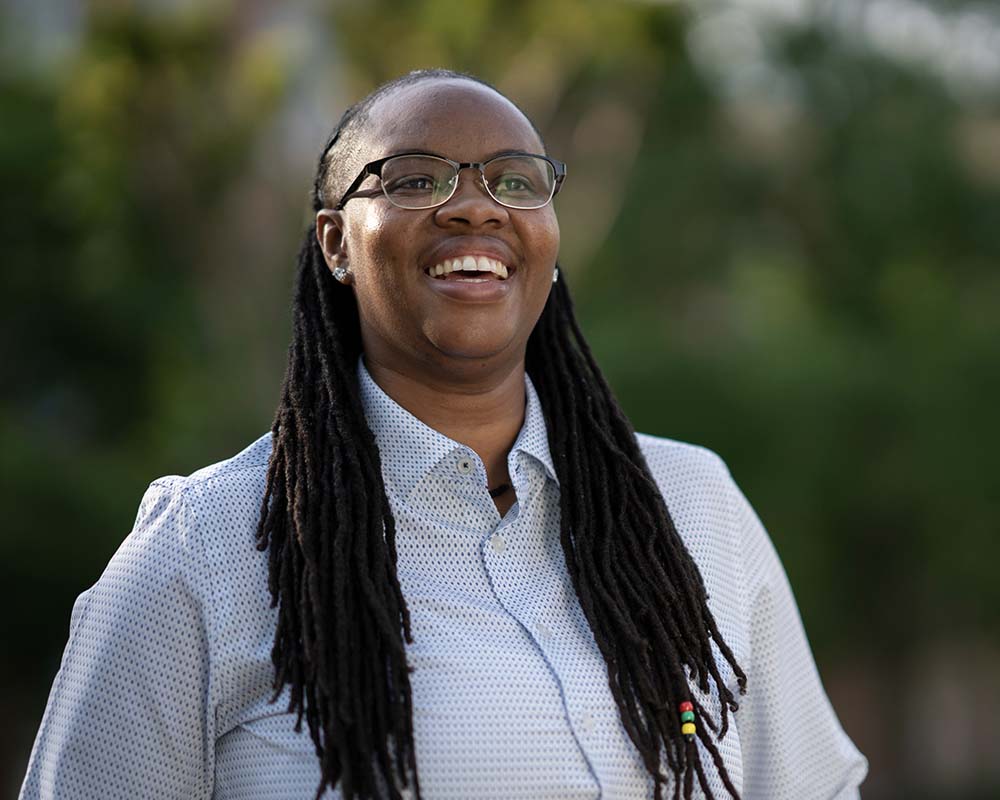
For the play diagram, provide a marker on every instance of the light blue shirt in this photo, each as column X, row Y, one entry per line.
column 164, row 685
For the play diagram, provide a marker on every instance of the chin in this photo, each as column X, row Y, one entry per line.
column 472, row 348
column 471, row 353
column 475, row 341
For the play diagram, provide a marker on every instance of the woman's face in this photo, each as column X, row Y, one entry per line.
column 410, row 319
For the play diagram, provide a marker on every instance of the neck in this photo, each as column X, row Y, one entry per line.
column 485, row 412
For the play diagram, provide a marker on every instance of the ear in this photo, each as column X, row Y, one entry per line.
column 330, row 235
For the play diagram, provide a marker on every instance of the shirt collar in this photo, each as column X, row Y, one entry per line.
column 410, row 449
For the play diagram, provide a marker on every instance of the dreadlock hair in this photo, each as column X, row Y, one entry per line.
column 327, row 525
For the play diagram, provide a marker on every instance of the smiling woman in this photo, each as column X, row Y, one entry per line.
column 453, row 558
column 416, row 327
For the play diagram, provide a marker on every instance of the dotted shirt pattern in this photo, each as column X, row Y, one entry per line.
column 164, row 684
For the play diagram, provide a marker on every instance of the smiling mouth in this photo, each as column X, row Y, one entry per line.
column 469, row 269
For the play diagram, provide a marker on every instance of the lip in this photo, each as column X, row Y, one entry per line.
column 469, row 246
column 489, row 291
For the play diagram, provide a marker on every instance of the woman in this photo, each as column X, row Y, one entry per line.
column 471, row 577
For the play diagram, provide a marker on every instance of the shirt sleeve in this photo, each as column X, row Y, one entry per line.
column 128, row 714
column 793, row 745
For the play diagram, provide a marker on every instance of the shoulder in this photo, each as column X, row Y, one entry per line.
column 700, row 496
column 221, row 502
column 682, row 464
column 180, row 517
column 216, row 481
column 161, row 563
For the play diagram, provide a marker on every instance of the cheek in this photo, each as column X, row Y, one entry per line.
column 555, row 233
column 543, row 235
column 546, row 250
column 377, row 249
column 370, row 242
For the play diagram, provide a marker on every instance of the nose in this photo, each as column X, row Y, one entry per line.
column 471, row 204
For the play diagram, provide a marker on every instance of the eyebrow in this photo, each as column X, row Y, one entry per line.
column 420, row 151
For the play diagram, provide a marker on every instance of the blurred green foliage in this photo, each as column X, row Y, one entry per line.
column 113, row 168
column 809, row 288
column 827, row 318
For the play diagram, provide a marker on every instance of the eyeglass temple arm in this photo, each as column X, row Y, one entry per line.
column 370, row 169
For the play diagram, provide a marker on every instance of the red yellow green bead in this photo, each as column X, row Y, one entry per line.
column 687, row 719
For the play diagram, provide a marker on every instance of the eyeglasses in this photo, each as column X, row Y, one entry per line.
column 420, row 180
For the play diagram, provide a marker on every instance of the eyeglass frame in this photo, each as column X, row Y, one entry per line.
column 375, row 168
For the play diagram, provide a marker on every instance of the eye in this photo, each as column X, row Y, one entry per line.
column 512, row 183
column 412, row 183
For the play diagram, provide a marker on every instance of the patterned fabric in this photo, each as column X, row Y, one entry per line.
column 164, row 685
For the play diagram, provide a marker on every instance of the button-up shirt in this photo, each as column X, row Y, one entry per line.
column 165, row 682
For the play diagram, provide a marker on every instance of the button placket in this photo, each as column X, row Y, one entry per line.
column 505, row 565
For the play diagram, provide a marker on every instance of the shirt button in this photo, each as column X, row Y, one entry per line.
column 587, row 723
column 544, row 632
column 465, row 465
column 498, row 543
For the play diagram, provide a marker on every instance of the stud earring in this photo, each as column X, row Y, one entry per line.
column 555, row 275
column 341, row 273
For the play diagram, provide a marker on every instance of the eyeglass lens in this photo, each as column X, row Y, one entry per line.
column 420, row 181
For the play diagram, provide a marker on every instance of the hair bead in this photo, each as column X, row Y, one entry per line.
column 687, row 719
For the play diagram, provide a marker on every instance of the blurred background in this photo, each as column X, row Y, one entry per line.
column 781, row 224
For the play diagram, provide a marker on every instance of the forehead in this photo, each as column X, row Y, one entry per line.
column 459, row 119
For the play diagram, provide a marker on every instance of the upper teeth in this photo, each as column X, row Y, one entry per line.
column 470, row 264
